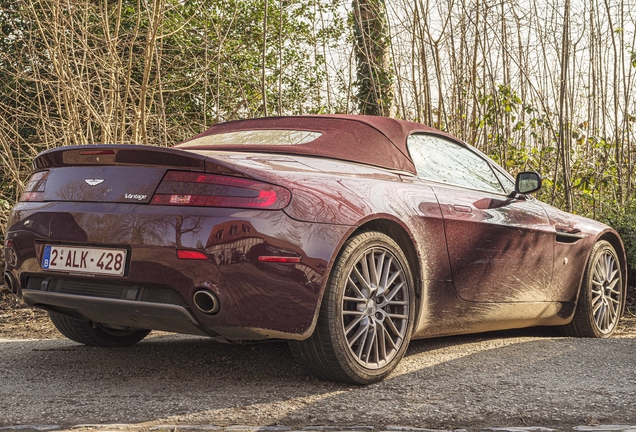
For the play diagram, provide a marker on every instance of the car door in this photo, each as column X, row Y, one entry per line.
column 501, row 249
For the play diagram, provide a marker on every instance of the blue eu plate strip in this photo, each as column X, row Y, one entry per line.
column 46, row 260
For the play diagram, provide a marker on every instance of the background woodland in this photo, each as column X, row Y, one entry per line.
column 536, row 84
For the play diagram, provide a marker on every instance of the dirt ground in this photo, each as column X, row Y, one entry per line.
column 471, row 382
column 18, row 321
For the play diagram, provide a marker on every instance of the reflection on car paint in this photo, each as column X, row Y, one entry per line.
column 482, row 260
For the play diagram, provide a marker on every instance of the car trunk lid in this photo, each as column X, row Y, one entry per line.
column 114, row 173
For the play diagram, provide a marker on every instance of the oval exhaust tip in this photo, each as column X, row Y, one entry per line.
column 10, row 282
column 207, row 302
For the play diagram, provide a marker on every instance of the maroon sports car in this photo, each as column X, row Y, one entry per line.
column 348, row 236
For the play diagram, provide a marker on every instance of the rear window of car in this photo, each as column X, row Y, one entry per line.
column 256, row 137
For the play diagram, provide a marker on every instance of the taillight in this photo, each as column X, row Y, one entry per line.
column 186, row 254
column 34, row 190
column 279, row 259
column 211, row 190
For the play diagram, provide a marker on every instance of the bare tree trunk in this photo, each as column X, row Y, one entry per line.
column 424, row 74
column 474, row 78
column 414, row 56
column 564, row 127
column 371, row 44
column 264, row 58
column 617, row 141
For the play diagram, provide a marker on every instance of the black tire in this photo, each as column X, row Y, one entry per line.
column 601, row 297
column 93, row 334
column 362, row 333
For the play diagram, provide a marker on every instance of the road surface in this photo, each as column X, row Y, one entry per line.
column 515, row 378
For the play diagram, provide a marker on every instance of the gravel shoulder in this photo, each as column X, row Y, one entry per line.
column 521, row 378
column 528, row 377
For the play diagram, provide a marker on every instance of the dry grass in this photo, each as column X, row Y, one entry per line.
column 18, row 321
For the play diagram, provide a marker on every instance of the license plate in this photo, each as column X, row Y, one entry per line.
column 84, row 260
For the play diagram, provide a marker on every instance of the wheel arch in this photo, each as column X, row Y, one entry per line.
column 613, row 238
column 583, row 322
column 316, row 352
column 398, row 231
column 402, row 236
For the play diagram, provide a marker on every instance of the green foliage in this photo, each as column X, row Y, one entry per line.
column 500, row 121
column 153, row 72
column 504, row 100
column 623, row 220
column 595, row 174
column 159, row 72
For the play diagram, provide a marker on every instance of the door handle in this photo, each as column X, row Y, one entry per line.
column 462, row 208
column 565, row 234
column 567, row 230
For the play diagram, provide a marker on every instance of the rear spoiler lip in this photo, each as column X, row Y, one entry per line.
column 134, row 155
column 166, row 157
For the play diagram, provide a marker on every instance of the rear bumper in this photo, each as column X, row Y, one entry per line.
column 258, row 300
column 126, row 313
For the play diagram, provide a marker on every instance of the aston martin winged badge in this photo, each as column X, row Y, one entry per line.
column 94, row 182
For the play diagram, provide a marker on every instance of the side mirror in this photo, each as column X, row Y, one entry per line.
column 527, row 182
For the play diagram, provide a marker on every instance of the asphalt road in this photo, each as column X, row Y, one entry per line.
column 517, row 378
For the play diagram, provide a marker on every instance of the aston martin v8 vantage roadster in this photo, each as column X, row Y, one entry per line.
column 346, row 235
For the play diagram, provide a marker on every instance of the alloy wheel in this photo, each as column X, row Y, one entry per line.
column 375, row 308
column 606, row 292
